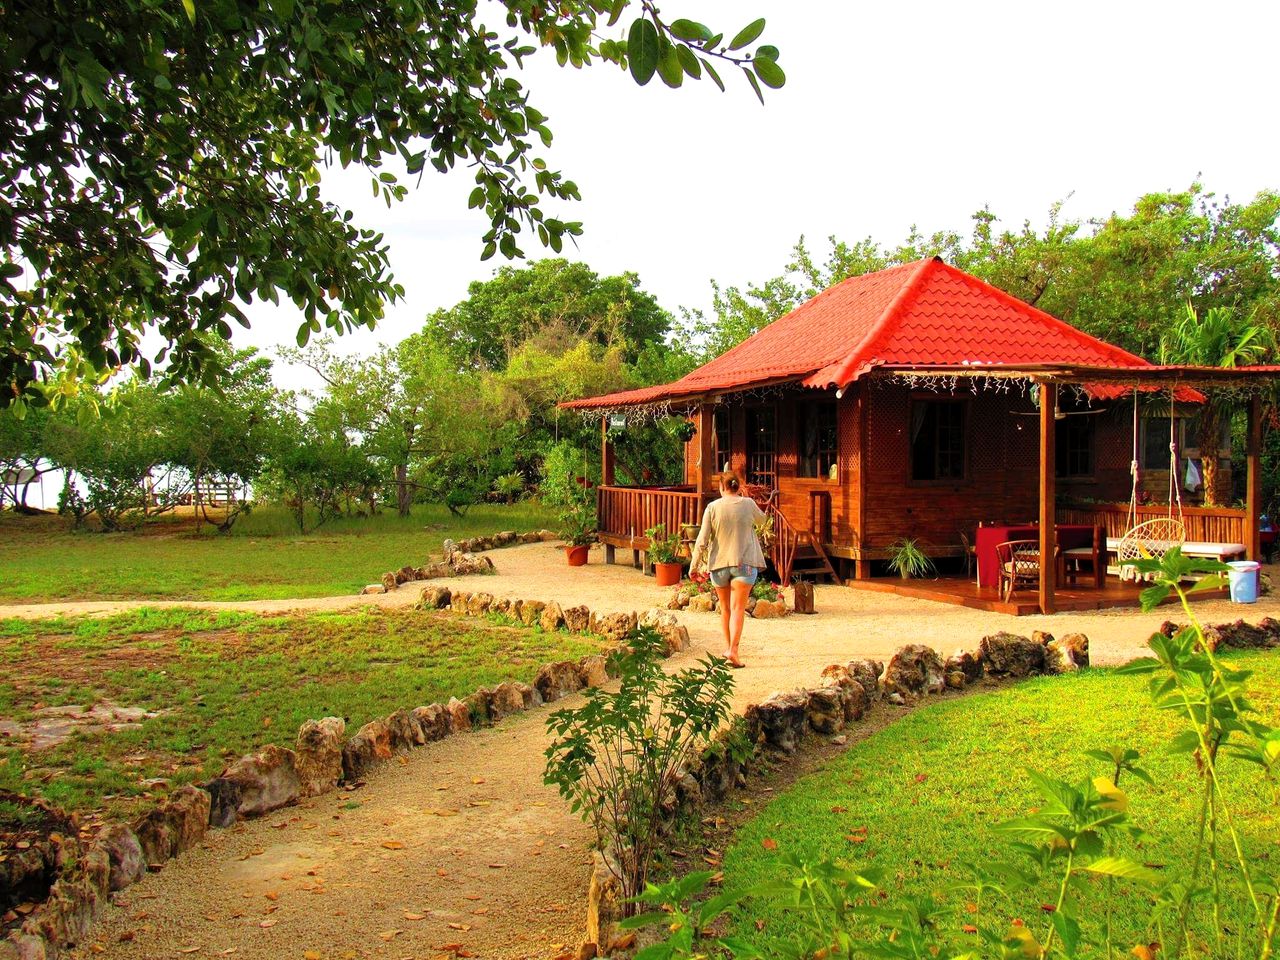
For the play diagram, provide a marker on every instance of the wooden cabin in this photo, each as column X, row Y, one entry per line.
column 918, row 402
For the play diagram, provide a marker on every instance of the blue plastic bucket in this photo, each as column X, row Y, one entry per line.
column 1244, row 581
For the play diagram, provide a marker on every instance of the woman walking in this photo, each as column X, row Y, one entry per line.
column 733, row 556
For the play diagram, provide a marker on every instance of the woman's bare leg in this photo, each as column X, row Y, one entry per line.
column 741, row 591
column 723, row 603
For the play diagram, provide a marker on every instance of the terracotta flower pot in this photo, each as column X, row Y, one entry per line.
column 667, row 574
column 578, row 554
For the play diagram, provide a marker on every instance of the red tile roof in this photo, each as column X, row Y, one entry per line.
column 919, row 314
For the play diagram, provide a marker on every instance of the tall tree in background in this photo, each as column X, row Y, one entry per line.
column 1216, row 338
column 160, row 161
column 553, row 304
column 405, row 402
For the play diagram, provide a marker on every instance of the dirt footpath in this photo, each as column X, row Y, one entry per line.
column 459, row 849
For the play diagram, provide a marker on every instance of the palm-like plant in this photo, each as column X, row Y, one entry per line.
column 1219, row 338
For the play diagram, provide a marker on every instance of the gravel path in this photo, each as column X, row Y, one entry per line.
column 459, row 849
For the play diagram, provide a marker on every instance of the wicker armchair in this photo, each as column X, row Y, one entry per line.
column 1019, row 563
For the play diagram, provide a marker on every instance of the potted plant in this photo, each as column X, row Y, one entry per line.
column 663, row 548
column 579, row 520
column 908, row 560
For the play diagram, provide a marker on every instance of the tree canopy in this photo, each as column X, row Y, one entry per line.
column 160, row 162
column 553, row 303
column 1125, row 278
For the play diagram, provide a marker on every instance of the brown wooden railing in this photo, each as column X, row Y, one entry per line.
column 1210, row 524
column 625, row 513
column 786, row 541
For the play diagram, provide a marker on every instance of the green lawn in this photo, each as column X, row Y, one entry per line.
column 263, row 558
column 929, row 788
column 227, row 683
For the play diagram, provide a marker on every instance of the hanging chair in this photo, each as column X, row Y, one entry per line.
column 1151, row 538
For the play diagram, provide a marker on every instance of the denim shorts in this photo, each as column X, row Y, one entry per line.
column 725, row 575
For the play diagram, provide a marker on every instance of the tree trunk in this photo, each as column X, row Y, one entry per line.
column 1210, row 432
column 403, row 494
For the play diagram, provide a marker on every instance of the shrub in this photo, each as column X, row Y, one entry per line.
column 617, row 758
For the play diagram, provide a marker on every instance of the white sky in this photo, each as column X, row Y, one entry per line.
column 893, row 114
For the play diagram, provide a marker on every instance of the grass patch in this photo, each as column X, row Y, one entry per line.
column 929, row 788
column 223, row 685
column 263, row 558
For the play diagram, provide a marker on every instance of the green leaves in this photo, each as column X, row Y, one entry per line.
column 769, row 72
column 1124, row 869
column 747, row 34
column 643, row 50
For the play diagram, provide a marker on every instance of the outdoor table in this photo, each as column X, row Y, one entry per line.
column 1069, row 537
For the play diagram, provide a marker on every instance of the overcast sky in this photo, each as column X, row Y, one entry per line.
column 893, row 114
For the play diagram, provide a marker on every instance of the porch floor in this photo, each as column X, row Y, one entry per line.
column 965, row 592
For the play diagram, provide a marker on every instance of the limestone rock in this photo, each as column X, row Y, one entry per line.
column 477, row 705
column 552, row 618
column 436, row 598
column 187, row 810
column 824, row 709
column 504, row 538
column 967, row 664
column 613, row 626
column 318, row 755
column 867, row 673
column 406, row 574
column 1078, row 644
column 604, row 902
column 458, row 601
column 268, row 780
column 915, row 669
column 557, row 680
column 501, row 605
column 956, row 679
column 127, row 861
column 430, row 571
column 577, row 619
column 155, row 837
column 224, row 801
column 505, row 700
column 1009, row 655
column 403, row 731
column 770, row 609
column 479, row 603
column 370, row 745
column 530, row 695
column 459, row 717
column 781, row 720
column 531, row 612
column 371, row 588
column 679, row 600
column 467, row 564
column 853, row 699
column 389, row 582
column 895, row 698
column 433, row 721
column 591, row 671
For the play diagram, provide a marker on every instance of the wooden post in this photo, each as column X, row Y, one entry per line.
column 1048, row 494
column 1253, row 480
column 607, row 460
column 705, row 468
column 607, row 463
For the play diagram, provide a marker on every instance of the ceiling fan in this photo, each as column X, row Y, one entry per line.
column 1058, row 414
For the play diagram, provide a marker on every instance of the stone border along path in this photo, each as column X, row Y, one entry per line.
column 507, row 841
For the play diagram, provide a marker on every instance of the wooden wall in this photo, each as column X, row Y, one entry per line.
column 1001, row 484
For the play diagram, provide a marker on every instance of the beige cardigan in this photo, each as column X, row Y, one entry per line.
column 728, row 533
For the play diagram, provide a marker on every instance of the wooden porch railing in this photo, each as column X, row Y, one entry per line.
column 625, row 513
column 1209, row 524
